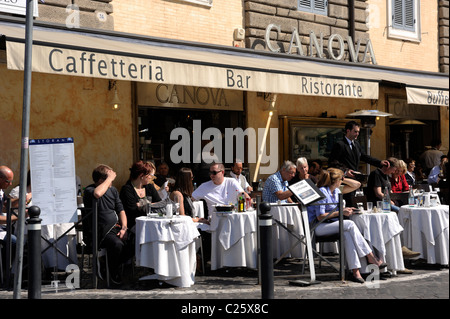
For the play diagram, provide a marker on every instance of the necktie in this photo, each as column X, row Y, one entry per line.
column 355, row 152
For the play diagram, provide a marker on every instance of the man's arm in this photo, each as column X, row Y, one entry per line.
column 101, row 189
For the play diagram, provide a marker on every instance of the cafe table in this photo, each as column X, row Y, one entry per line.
column 167, row 245
column 290, row 219
column 426, row 231
column 233, row 239
column 383, row 232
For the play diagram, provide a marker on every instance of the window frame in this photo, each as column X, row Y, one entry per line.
column 311, row 8
column 403, row 32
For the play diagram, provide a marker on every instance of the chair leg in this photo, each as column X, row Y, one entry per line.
column 321, row 253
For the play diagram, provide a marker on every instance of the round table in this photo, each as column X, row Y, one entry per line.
column 168, row 246
column 289, row 217
column 383, row 233
column 233, row 240
column 426, row 231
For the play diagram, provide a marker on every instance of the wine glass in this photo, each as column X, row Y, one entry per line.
column 177, row 206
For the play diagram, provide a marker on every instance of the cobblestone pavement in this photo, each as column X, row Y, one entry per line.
column 427, row 282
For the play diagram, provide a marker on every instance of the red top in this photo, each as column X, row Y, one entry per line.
column 399, row 186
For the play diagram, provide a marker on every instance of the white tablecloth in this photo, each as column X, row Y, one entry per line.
column 383, row 233
column 167, row 246
column 233, row 240
column 199, row 209
column 290, row 217
column 426, row 231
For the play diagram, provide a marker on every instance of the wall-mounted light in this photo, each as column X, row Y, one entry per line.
column 115, row 101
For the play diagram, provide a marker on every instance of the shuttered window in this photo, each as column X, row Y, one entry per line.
column 313, row 6
column 403, row 15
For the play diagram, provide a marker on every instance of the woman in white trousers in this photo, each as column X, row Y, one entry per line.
column 356, row 246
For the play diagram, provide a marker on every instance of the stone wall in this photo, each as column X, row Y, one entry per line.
column 95, row 14
column 260, row 13
column 444, row 36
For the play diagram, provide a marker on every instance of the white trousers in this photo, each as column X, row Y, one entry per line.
column 355, row 247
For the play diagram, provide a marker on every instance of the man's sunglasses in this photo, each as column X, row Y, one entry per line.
column 214, row 172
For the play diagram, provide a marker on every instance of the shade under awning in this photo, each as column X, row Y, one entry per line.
column 120, row 56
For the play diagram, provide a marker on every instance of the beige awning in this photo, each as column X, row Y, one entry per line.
column 120, row 56
column 427, row 96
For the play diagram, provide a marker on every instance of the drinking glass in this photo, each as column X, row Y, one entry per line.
column 148, row 205
column 369, row 207
column 379, row 205
column 177, row 206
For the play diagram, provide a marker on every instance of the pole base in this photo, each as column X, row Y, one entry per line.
column 303, row 283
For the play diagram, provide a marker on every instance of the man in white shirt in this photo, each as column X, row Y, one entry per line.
column 236, row 173
column 220, row 189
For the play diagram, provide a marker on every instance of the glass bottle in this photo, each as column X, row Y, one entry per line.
column 386, row 200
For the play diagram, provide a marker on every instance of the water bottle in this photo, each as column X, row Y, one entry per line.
column 386, row 200
column 260, row 186
column 411, row 200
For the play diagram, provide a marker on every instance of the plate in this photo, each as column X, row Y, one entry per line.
column 224, row 208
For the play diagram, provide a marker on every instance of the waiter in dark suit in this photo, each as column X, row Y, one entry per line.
column 348, row 153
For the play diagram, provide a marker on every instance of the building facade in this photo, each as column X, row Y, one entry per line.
column 334, row 44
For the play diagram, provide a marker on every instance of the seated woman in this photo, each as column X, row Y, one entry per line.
column 398, row 181
column 182, row 194
column 137, row 188
column 410, row 175
column 356, row 246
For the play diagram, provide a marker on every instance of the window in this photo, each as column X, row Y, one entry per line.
column 208, row 3
column 313, row 6
column 404, row 19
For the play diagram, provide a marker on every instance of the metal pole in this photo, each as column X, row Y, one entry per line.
column 94, row 242
column 34, row 253
column 8, row 258
column 24, row 152
column 258, row 239
column 341, row 237
column 265, row 228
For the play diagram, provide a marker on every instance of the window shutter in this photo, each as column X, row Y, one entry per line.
column 305, row 5
column 320, row 6
column 409, row 15
column 314, row 6
column 403, row 15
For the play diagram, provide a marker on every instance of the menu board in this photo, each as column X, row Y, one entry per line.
column 306, row 191
column 53, row 179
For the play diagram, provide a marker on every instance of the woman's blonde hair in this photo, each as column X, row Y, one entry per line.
column 402, row 167
column 329, row 177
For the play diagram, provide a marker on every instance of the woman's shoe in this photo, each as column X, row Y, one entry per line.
column 359, row 280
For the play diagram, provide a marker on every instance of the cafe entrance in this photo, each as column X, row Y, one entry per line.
column 156, row 125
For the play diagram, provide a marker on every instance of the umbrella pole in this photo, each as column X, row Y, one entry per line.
column 263, row 144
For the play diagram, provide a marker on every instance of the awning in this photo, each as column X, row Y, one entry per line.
column 427, row 96
column 120, row 56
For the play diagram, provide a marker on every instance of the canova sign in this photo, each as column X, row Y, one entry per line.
column 318, row 44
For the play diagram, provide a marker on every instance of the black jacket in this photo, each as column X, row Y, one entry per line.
column 344, row 155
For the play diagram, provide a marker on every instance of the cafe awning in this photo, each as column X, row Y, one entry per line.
column 121, row 56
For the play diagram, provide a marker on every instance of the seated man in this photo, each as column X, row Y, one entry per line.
column 112, row 220
column 236, row 173
column 220, row 189
column 275, row 187
column 436, row 173
column 378, row 180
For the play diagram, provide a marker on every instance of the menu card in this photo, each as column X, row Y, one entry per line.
column 306, row 191
column 53, row 179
